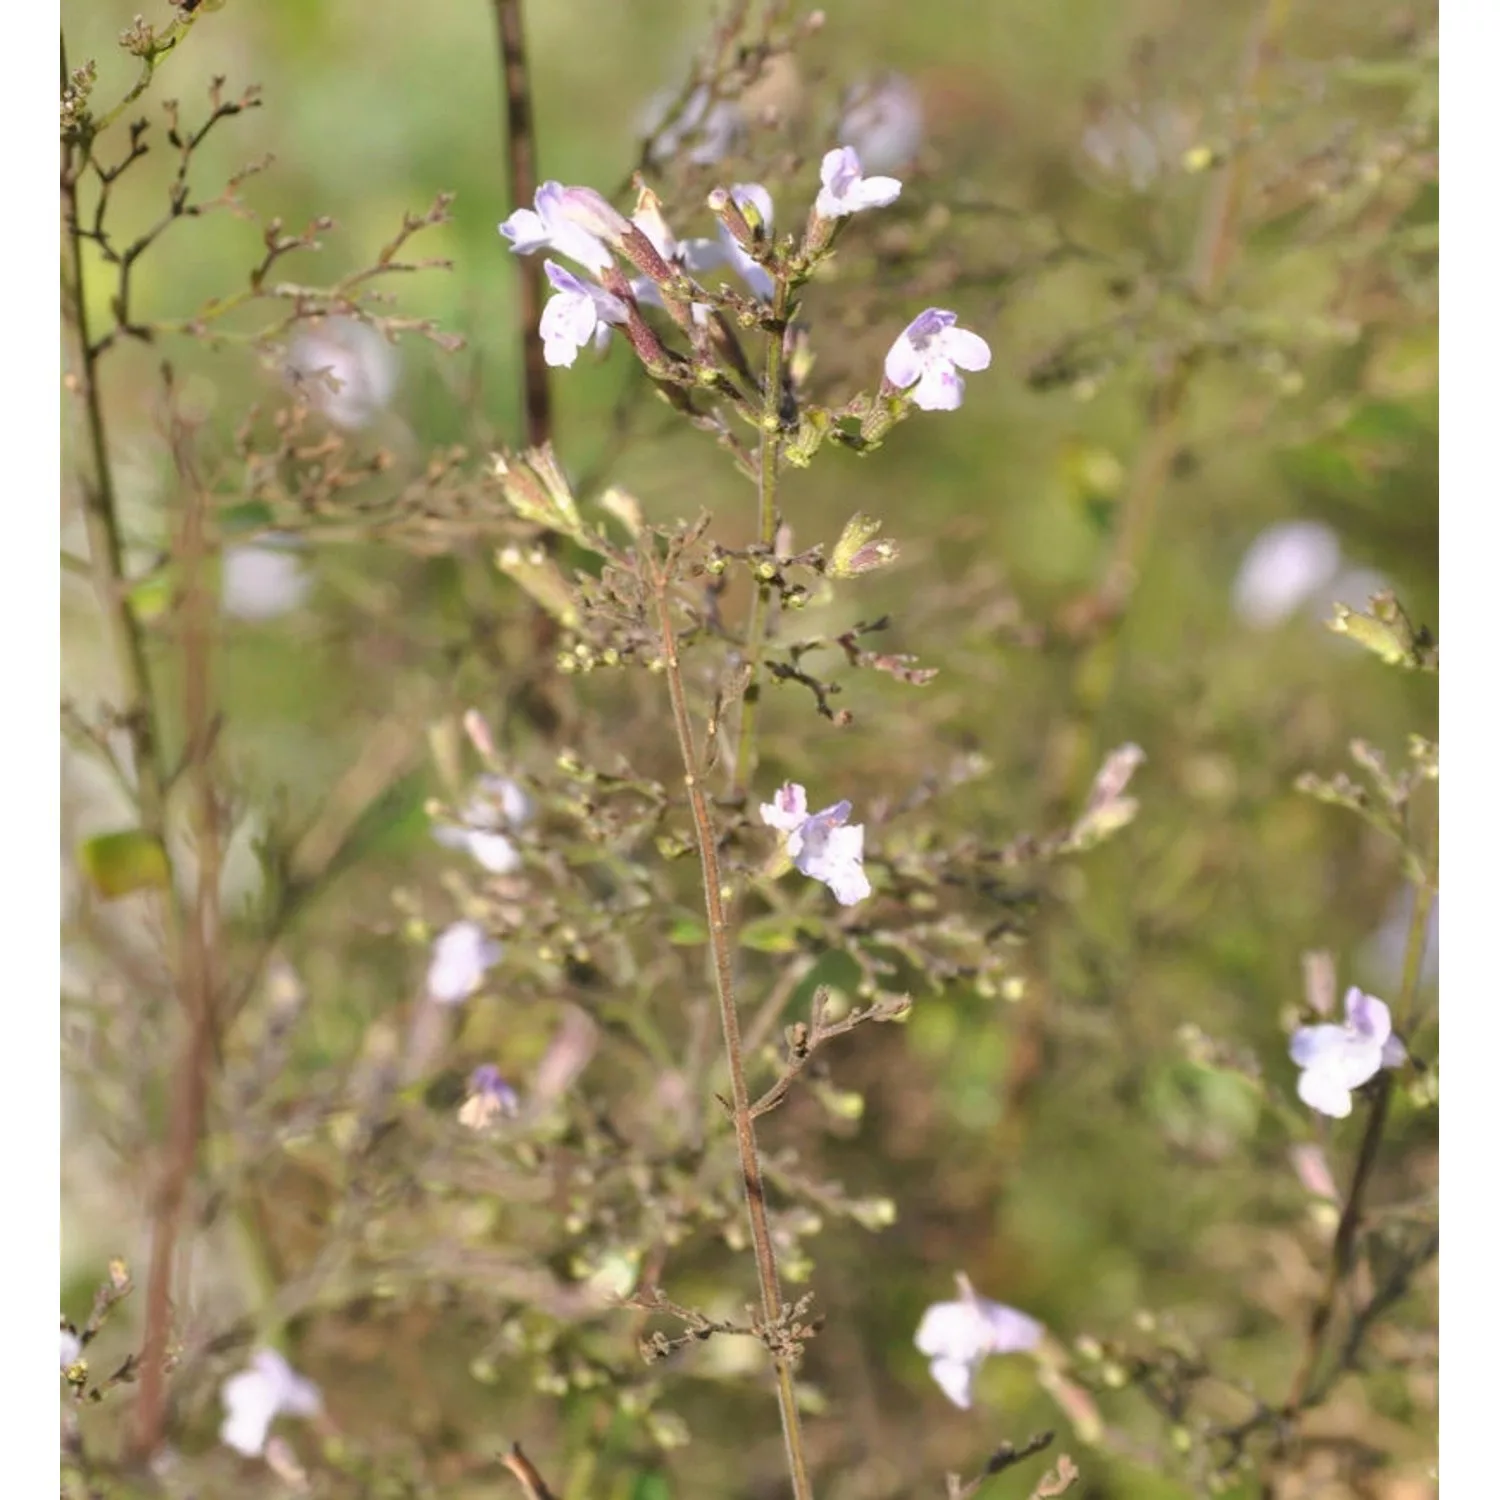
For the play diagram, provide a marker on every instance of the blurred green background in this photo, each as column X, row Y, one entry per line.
column 1125, row 1176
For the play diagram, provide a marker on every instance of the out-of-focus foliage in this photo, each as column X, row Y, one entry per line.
column 1201, row 242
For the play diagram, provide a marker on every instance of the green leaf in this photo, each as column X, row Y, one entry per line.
column 773, row 934
column 119, row 864
column 687, row 932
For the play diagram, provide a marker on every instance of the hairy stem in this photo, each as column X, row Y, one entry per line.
column 772, row 1306
column 520, row 177
column 769, row 472
column 1345, row 1238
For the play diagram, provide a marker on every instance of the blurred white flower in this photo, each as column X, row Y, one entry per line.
column 360, row 362
column 497, row 803
column 72, row 1347
column 959, row 1336
column 1285, row 567
column 710, row 130
column 263, row 579
column 1135, row 144
column 882, row 120
column 460, row 956
column 254, row 1398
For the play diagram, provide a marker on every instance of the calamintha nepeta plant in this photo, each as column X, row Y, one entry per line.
column 630, row 845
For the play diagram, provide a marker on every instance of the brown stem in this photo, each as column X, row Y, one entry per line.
column 520, row 165
column 198, row 946
column 772, row 1307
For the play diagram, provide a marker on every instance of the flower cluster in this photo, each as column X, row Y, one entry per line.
column 578, row 224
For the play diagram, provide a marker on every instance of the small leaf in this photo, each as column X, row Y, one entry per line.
column 687, row 932
column 119, row 864
column 773, row 934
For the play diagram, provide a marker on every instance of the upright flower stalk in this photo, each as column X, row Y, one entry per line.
column 772, row 1306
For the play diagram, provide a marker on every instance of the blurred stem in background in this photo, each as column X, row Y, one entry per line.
column 520, row 180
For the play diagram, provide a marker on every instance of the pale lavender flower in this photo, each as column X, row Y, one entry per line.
column 574, row 221
column 846, row 190
column 755, row 203
column 490, row 1096
column 72, row 1347
column 1285, row 567
column 959, row 1336
column 498, row 803
column 1335, row 1060
column 883, row 122
column 693, row 255
column 460, row 956
column 263, row 579
column 347, row 368
column 823, row 845
column 254, row 1398
column 577, row 313
column 929, row 354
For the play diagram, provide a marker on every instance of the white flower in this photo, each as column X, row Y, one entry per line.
column 574, row 221
column 883, row 122
column 254, row 1398
column 578, row 312
column 262, row 580
column 498, row 803
column 846, row 190
column 1283, row 569
column 1336, row 1059
column 347, row 368
column 959, row 1336
column 823, row 846
column 72, row 1347
column 460, row 956
column 929, row 353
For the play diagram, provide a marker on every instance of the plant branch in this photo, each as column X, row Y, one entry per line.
column 772, row 1305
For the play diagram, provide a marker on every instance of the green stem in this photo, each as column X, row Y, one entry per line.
column 769, row 473
column 772, row 1306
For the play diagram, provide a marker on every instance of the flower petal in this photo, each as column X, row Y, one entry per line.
column 1011, row 1332
column 956, row 1379
column 903, row 363
column 965, row 349
column 939, row 389
column 1369, row 1016
column 1323, row 1092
